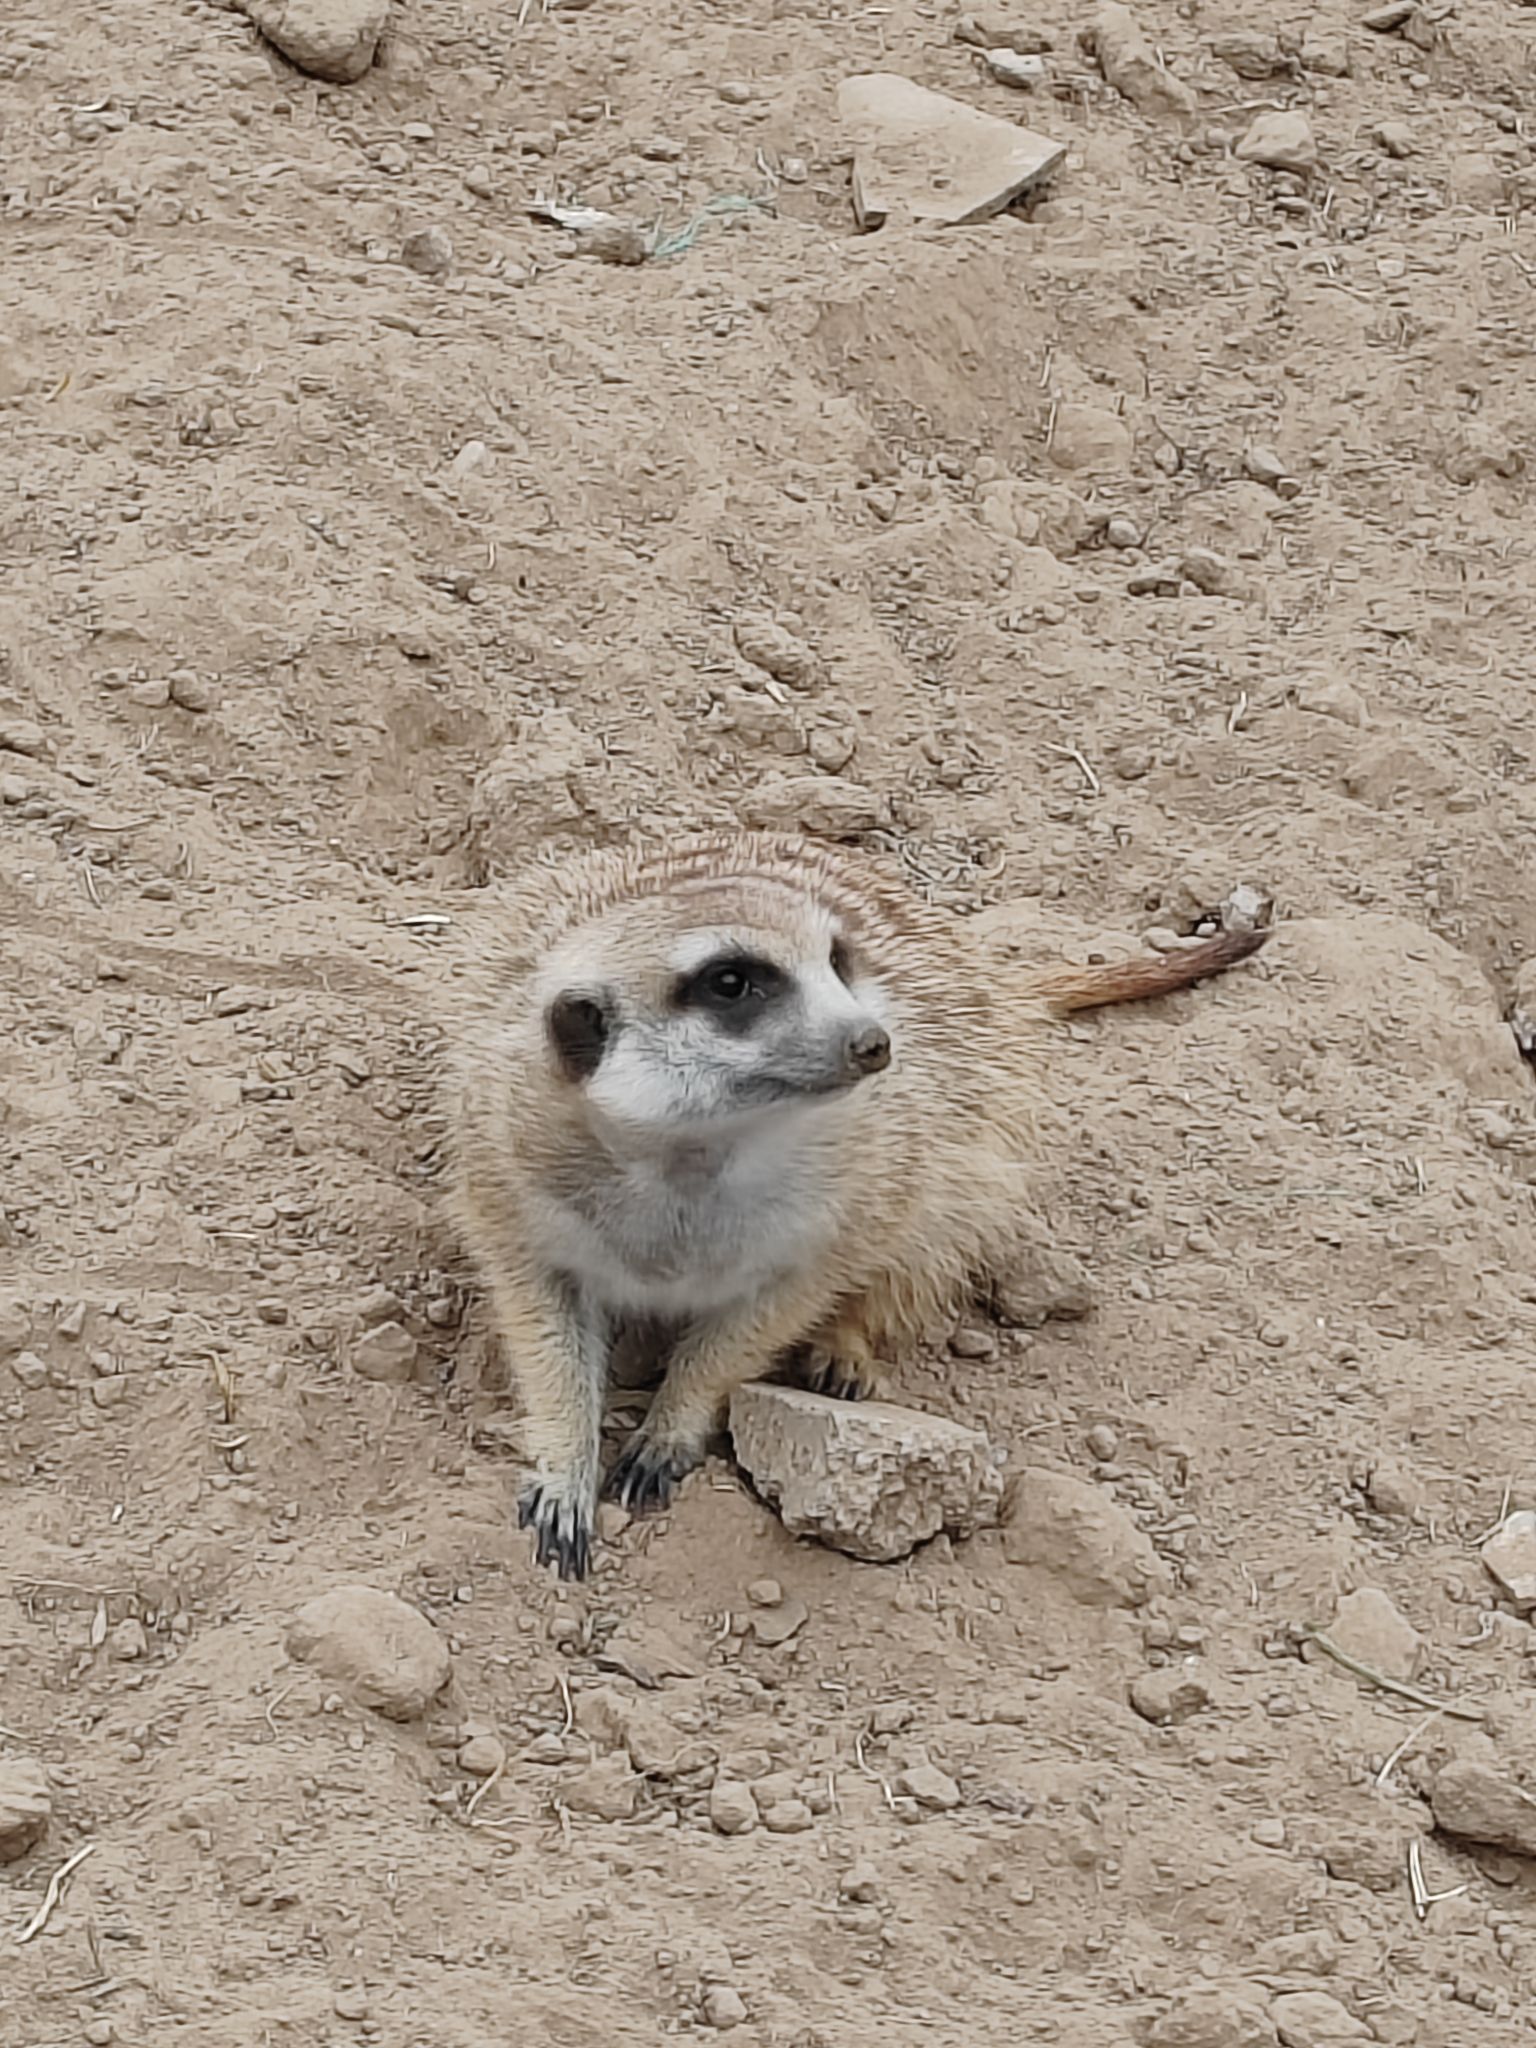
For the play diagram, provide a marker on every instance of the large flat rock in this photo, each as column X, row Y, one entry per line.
column 922, row 154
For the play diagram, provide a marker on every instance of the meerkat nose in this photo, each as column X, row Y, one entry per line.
column 869, row 1050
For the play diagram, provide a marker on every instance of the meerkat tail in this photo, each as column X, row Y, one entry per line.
column 1070, row 989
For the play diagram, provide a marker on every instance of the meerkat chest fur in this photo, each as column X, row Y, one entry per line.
column 686, row 1226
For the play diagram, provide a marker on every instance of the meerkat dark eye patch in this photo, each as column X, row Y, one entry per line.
column 579, row 1028
column 734, row 989
column 843, row 962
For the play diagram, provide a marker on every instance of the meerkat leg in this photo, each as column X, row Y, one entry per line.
column 557, row 1344
column 840, row 1358
column 709, row 1363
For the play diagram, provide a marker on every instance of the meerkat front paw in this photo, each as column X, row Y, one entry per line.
column 647, row 1473
column 562, row 1527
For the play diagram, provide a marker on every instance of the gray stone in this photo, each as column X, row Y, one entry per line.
column 1129, row 63
column 1170, row 1696
column 607, row 1790
column 867, row 1477
column 387, row 1353
column 732, row 1809
column 428, row 251
column 333, row 39
column 382, row 1653
column 1214, row 2016
column 1313, row 2019
column 932, row 158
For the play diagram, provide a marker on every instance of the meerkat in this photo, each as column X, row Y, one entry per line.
column 751, row 1090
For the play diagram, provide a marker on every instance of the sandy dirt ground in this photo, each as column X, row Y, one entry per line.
column 1172, row 535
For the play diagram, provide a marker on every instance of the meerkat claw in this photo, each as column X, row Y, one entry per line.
column 562, row 1531
column 824, row 1373
column 645, row 1477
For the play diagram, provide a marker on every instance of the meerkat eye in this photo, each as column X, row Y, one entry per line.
column 842, row 961
column 733, row 986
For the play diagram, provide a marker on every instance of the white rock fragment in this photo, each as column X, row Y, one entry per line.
column 722, row 2008
column 1080, row 1535
column 1510, row 1555
column 1008, row 67
column 867, row 1478
column 333, row 39
column 26, row 1807
column 1281, row 142
column 932, row 1788
column 934, row 158
column 1476, row 1803
column 1245, row 909
column 382, row 1653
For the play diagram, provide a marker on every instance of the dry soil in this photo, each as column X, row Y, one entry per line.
column 1173, row 535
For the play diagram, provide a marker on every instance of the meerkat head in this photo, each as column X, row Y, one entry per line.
column 713, row 1006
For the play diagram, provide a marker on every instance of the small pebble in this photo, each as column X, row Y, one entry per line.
column 428, row 251
column 350, row 2004
column 732, row 1809
column 930, row 1787
column 972, row 1343
column 482, row 1756
column 722, row 2008
column 788, row 1817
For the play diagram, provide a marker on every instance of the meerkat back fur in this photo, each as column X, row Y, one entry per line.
column 751, row 1089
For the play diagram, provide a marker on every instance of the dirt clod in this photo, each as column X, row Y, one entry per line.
column 382, row 1653
column 1315, row 2019
column 1078, row 1535
column 1368, row 1626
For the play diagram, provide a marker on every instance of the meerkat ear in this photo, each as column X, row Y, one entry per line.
column 578, row 1027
